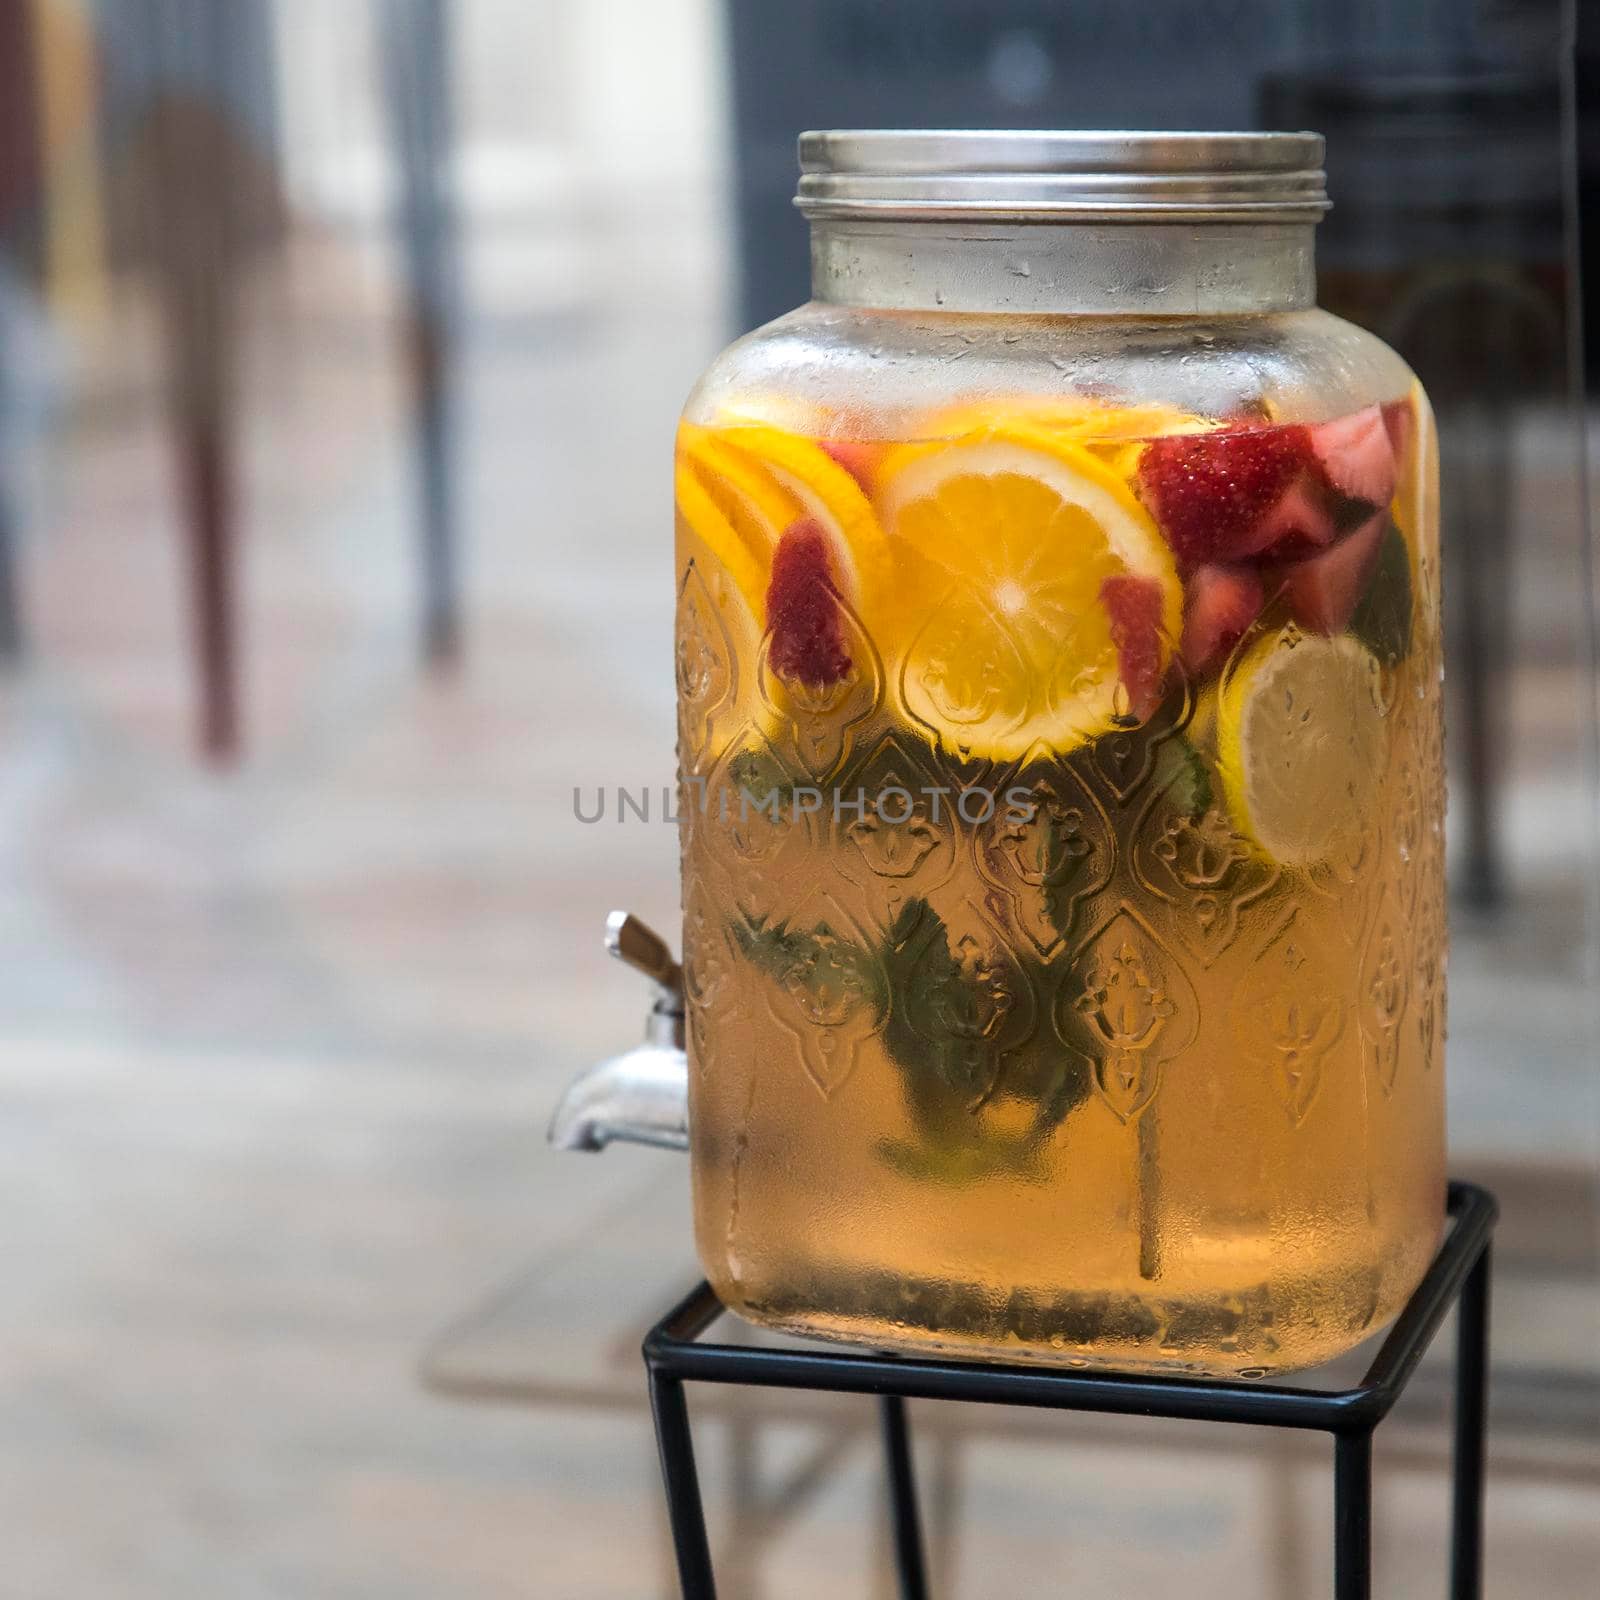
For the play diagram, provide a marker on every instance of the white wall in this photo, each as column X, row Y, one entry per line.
column 585, row 132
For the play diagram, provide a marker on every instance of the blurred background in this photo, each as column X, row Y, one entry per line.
column 340, row 350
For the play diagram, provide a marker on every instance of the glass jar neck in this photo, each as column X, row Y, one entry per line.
column 1082, row 268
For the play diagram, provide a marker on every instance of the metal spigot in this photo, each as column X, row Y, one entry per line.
column 642, row 1095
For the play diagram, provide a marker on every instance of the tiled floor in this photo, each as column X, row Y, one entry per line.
column 277, row 1045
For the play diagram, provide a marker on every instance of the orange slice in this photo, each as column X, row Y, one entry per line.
column 734, row 506
column 1416, row 507
column 821, row 489
column 1079, row 417
column 1004, row 544
column 699, row 508
column 1114, row 433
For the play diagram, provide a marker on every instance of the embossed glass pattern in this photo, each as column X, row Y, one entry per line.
column 1059, row 721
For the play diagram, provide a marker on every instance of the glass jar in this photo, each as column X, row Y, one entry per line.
column 1058, row 667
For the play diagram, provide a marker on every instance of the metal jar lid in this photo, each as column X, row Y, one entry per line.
column 1046, row 175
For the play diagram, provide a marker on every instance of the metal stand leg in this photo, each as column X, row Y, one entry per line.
column 741, row 1551
column 1472, row 1388
column 1352, row 1516
column 945, row 1511
column 903, row 1500
column 684, row 1510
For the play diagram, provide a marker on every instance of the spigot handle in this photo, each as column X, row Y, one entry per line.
column 630, row 940
column 642, row 1096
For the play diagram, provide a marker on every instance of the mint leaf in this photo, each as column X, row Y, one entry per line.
column 933, row 1036
column 760, row 774
column 946, row 1069
column 1182, row 775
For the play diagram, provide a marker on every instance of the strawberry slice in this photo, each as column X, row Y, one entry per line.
column 1227, row 495
column 1324, row 590
column 859, row 460
column 1356, row 456
column 1219, row 604
column 1397, row 424
column 1134, row 606
column 804, row 616
column 1299, row 522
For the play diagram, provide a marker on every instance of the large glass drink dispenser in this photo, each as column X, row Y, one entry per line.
column 1058, row 667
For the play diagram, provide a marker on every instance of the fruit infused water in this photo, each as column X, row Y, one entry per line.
column 1062, row 863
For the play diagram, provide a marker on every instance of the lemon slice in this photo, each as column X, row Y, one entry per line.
column 1004, row 543
column 1300, row 744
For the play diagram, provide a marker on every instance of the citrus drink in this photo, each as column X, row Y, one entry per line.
column 1064, row 933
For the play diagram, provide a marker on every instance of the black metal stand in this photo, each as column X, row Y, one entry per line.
column 674, row 1354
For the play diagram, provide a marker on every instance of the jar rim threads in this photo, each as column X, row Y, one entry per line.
column 1055, row 175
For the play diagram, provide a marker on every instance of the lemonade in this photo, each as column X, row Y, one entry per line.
column 1062, row 876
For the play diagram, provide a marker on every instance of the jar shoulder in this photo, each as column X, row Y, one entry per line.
column 847, row 370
